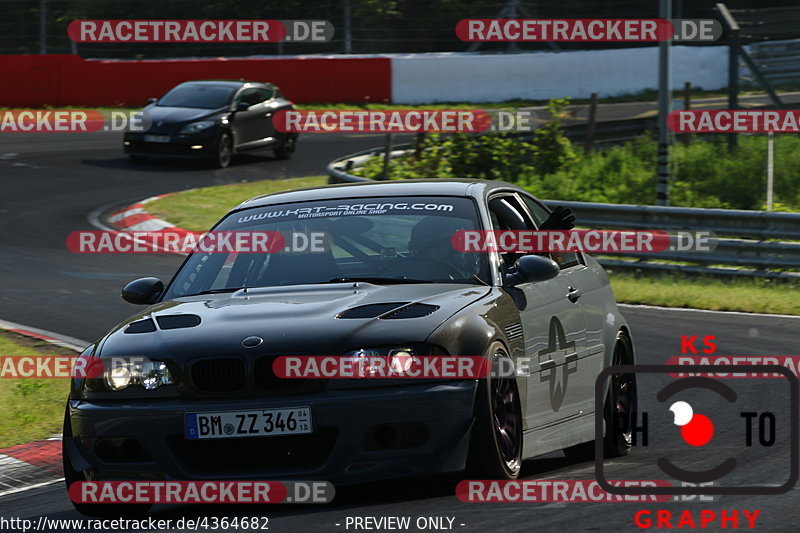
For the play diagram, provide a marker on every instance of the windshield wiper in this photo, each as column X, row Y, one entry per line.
column 377, row 280
column 218, row 291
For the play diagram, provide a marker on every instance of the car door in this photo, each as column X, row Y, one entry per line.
column 590, row 298
column 249, row 122
column 266, row 128
column 553, row 329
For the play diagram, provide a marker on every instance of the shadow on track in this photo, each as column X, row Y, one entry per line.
column 174, row 164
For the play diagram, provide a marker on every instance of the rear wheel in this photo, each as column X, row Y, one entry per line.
column 622, row 404
column 619, row 409
column 286, row 148
column 100, row 510
column 496, row 443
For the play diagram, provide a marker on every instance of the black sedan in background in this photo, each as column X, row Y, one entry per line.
column 212, row 120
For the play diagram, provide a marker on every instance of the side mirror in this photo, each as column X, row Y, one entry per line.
column 242, row 106
column 529, row 268
column 143, row 291
column 152, row 101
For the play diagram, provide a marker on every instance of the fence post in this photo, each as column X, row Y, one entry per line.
column 589, row 146
column 387, row 155
column 664, row 86
column 770, row 168
column 42, row 27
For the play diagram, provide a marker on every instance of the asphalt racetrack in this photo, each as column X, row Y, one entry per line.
column 50, row 185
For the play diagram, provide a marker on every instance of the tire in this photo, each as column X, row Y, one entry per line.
column 496, row 441
column 99, row 510
column 223, row 152
column 286, row 148
column 619, row 409
column 621, row 405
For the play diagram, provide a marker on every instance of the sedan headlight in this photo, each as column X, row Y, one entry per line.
column 120, row 374
column 194, row 127
column 397, row 359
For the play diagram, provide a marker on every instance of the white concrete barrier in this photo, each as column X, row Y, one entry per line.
column 464, row 77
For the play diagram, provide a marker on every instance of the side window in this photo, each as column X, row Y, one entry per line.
column 507, row 214
column 249, row 97
column 540, row 214
column 265, row 94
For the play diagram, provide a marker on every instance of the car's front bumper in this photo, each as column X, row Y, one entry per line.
column 342, row 448
column 202, row 144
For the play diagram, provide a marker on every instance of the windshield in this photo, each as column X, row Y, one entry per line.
column 378, row 240
column 198, row 96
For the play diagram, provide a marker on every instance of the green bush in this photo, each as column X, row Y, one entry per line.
column 704, row 173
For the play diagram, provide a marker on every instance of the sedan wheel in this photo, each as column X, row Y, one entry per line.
column 621, row 405
column 619, row 409
column 224, row 152
column 286, row 149
column 496, row 443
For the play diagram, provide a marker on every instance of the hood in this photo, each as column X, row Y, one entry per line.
column 176, row 115
column 307, row 319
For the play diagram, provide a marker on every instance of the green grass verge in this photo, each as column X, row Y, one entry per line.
column 199, row 209
column 30, row 409
column 750, row 295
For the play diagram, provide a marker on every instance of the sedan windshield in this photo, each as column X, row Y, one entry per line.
column 198, row 96
column 386, row 240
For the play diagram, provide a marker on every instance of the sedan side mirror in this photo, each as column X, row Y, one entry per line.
column 152, row 101
column 242, row 106
column 530, row 268
column 143, row 291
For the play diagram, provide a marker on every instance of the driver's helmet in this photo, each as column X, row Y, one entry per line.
column 431, row 239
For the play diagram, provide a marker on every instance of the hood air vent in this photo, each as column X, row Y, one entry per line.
column 177, row 321
column 370, row 311
column 141, row 326
column 412, row 311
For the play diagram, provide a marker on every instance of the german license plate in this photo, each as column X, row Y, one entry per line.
column 250, row 423
column 156, row 138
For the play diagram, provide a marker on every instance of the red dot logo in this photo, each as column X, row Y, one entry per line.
column 696, row 429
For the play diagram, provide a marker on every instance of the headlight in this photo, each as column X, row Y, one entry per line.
column 388, row 366
column 194, row 127
column 398, row 360
column 120, row 374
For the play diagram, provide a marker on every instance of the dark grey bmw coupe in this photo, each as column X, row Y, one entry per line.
column 389, row 282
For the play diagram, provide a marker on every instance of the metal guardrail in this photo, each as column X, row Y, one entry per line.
column 743, row 247
column 611, row 131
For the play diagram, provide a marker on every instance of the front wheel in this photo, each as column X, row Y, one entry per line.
column 224, row 150
column 496, row 443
